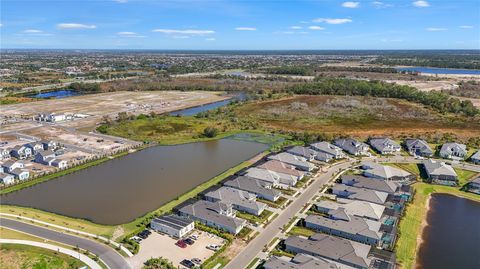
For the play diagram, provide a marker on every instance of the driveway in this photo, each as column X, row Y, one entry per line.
column 106, row 254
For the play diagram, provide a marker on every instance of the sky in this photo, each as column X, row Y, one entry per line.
column 240, row 25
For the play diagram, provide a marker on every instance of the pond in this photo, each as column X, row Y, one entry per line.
column 55, row 94
column 433, row 70
column 198, row 109
column 122, row 189
column 452, row 237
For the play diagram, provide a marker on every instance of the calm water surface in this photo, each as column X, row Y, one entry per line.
column 433, row 70
column 55, row 94
column 125, row 188
column 198, row 109
column 452, row 237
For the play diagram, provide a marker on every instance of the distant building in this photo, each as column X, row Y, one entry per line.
column 214, row 214
column 300, row 261
column 454, row 151
column 332, row 248
column 172, row 225
column 440, row 173
column 262, row 189
column 352, row 146
column 327, row 152
column 385, row 172
column 297, row 161
column 418, row 147
column 384, row 145
column 240, row 200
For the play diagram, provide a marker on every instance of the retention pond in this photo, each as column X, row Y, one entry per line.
column 125, row 188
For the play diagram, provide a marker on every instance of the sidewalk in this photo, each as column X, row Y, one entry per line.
column 85, row 259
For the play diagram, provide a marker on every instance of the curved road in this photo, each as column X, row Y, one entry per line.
column 109, row 256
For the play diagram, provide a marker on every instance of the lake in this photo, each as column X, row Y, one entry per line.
column 452, row 237
column 433, row 70
column 122, row 189
column 192, row 111
column 55, row 94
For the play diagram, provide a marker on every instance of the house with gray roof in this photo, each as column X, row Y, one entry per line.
column 4, row 154
column 341, row 208
column 45, row 157
column 385, row 172
column 440, row 173
column 35, row 147
column 284, row 168
column 240, row 200
column 454, row 151
column 355, row 228
column 214, row 214
column 326, row 151
column 418, row 147
column 21, row 152
column 172, row 225
column 361, row 194
column 20, row 174
column 474, row 185
column 304, row 152
column 49, row 144
column 352, row 146
column 300, row 261
column 11, row 165
column 475, row 158
column 261, row 189
column 276, row 179
column 369, row 183
column 332, row 248
column 384, row 145
column 297, row 161
column 6, row 178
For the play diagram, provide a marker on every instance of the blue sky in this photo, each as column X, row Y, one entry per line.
column 247, row 24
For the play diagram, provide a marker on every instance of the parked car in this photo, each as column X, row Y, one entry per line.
column 181, row 244
column 187, row 263
column 213, row 247
column 189, row 241
column 197, row 261
column 194, row 237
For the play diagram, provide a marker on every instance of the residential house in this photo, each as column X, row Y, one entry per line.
column 300, row 261
column 327, row 152
column 352, row 146
column 274, row 178
column 51, row 117
column 45, row 157
column 6, row 178
column 353, row 228
column 261, row 189
column 418, row 147
column 474, row 185
column 21, row 152
column 304, row 152
column 59, row 163
column 240, row 200
column 332, row 248
column 35, row 147
column 454, row 151
column 283, row 168
column 4, row 154
column 172, row 225
column 475, row 158
column 49, row 144
column 384, row 145
column 214, row 214
column 440, row 173
column 343, row 207
column 11, row 165
column 20, row 174
column 361, row 194
column 369, row 183
column 297, row 161
column 385, row 172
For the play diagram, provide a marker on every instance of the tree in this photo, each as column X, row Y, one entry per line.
column 210, row 132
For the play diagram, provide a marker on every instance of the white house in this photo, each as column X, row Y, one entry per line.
column 6, row 178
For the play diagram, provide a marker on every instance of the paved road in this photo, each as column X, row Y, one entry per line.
column 273, row 230
column 106, row 254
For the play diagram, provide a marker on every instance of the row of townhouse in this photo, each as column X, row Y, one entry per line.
column 27, row 150
column 240, row 193
column 13, row 170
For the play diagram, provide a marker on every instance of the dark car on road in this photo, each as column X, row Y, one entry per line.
column 187, row 263
column 189, row 241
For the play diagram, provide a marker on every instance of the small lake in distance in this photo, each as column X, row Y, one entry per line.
column 55, row 94
column 433, row 70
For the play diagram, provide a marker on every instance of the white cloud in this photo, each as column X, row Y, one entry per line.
column 1, row 24
column 315, row 27
column 332, row 21
column 379, row 4
column 210, row 39
column 129, row 34
column 435, row 29
column 295, row 27
column 246, row 29
column 421, row 4
column 184, row 32
column 351, row 4
column 75, row 26
column 32, row 31
column 466, row 27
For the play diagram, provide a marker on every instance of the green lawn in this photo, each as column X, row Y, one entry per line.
column 410, row 225
column 23, row 256
column 464, row 176
column 255, row 219
column 282, row 200
column 303, row 231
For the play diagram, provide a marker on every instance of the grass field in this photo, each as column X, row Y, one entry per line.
column 411, row 224
column 14, row 256
column 297, row 230
column 255, row 219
